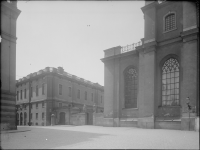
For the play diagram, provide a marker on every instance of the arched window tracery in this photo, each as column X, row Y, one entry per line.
column 170, row 82
column 130, row 87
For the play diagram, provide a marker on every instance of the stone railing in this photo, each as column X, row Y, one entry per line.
column 131, row 47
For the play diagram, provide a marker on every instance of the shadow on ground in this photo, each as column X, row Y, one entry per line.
column 41, row 138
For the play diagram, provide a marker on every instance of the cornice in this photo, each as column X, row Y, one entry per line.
column 133, row 52
column 5, row 7
column 149, row 6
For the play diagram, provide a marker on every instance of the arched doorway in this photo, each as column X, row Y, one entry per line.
column 62, row 118
column 21, row 118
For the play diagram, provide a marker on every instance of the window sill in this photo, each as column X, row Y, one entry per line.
column 175, row 106
column 129, row 108
column 169, row 30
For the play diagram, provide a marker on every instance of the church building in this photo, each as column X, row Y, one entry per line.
column 155, row 83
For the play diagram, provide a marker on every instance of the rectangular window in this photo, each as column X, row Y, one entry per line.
column 37, row 90
column 85, row 95
column 60, row 89
column 42, row 116
column 25, row 106
column 36, row 115
column 42, row 104
column 25, row 93
column 43, row 89
column 36, row 105
column 21, row 95
column 17, row 95
column 78, row 94
column 70, row 91
column 92, row 96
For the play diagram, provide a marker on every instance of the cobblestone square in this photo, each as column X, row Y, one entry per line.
column 97, row 137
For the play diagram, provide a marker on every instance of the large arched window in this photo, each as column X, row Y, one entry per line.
column 170, row 82
column 130, row 87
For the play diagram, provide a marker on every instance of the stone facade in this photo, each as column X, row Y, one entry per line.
column 57, row 97
column 9, row 15
column 164, row 40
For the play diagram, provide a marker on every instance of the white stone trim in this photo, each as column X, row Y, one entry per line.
column 189, row 28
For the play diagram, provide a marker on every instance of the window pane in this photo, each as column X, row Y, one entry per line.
column 163, row 81
column 172, row 97
column 177, row 85
column 172, row 80
column 164, row 92
column 168, row 92
column 164, row 76
column 172, row 91
column 172, row 86
column 172, row 75
column 168, row 81
column 176, row 74
column 177, row 79
column 176, row 96
column 164, row 87
column 168, row 75
column 176, row 91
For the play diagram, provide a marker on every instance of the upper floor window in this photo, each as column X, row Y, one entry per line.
column 43, row 89
column 78, row 94
column 42, row 104
column 101, row 99
column 25, row 93
column 37, row 90
column 60, row 89
column 21, row 95
column 43, row 115
column 170, row 82
column 36, row 105
column 170, row 21
column 36, row 115
column 70, row 91
column 130, row 87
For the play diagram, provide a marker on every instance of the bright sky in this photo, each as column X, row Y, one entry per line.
column 73, row 34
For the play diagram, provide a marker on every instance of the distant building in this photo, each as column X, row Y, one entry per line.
column 57, row 97
column 9, row 15
column 148, row 84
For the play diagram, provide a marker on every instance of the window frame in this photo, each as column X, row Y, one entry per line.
column 85, row 95
column 179, row 78
column 36, row 90
column 43, row 87
column 70, row 91
column 164, row 22
column 24, row 93
column 79, row 94
column 60, row 87
column 124, row 75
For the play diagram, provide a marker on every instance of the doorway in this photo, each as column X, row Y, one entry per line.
column 62, row 118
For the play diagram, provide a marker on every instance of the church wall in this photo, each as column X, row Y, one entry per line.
column 125, row 62
column 163, row 53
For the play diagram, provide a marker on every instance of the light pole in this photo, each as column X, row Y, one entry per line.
column 189, row 108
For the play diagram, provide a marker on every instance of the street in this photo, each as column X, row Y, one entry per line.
column 97, row 137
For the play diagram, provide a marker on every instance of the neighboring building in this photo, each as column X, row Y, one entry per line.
column 9, row 14
column 147, row 83
column 72, row 100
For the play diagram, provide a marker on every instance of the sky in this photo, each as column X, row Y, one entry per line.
column 74, row 34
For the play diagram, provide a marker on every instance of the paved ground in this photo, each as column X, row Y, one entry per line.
column 95, row 137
